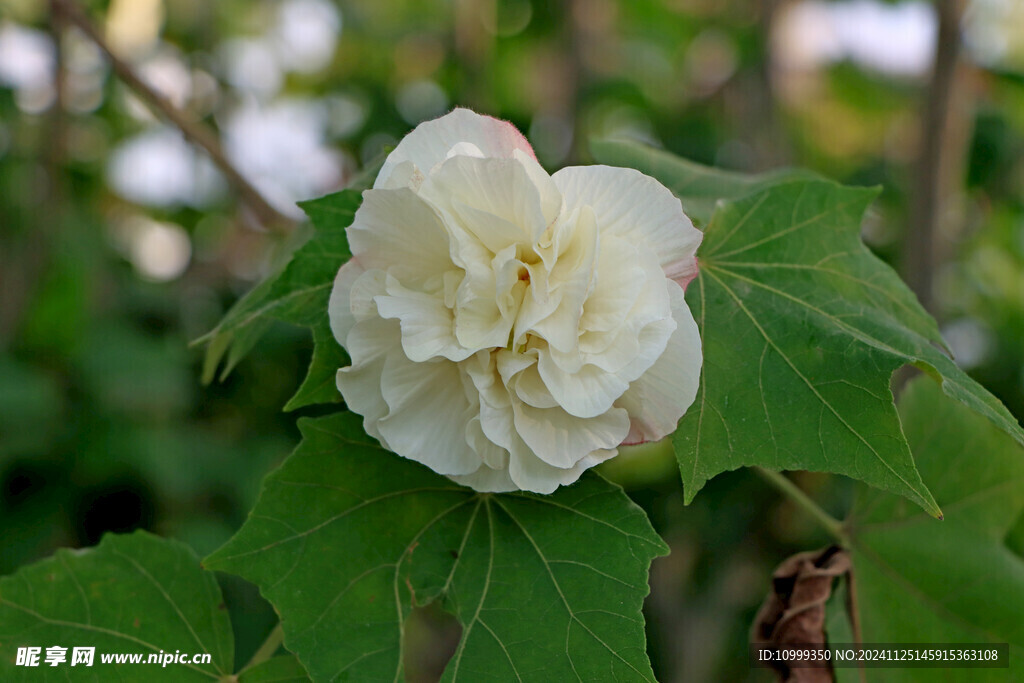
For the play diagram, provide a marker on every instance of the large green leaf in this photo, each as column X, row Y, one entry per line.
column 802, row 328
column 920, row 580
column 131, row 594
column 346, row 537
column 297, row 292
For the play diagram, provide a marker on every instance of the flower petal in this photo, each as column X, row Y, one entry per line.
column 587, row 393
column 427, row 324
column 637, row 207
column 487, row 480
column 396, row 231
column 430, row 142
column 368, row 343
column 427, row 414
column 560, row 439
column 662, row 395
column 530, row 473
column 339, row 307
column 500, row 201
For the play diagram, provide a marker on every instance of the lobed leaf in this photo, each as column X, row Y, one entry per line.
column 802, row 328
column 347, row 537
column 918, row 580
column 130, row 594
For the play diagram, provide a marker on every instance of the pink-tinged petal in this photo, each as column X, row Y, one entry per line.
column 682, row 271
column 662, row 395
column 429, row 143
column 629, row 204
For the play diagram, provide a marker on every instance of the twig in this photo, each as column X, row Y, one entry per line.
column 268, row 648
column 193, row 131
column 829, row 523
column 940, row 159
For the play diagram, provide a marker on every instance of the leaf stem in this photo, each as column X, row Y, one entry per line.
column 268, row 648
column 804, row 502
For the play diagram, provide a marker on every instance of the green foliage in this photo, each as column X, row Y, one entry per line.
column 347, row 537
column 129, row 594
column 802, row 329
column 954, row 581
column 296, row 293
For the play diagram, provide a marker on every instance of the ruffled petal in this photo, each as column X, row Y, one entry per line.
column 368, row 344
column 427, row 324
column 427, row 414
column 587, row 393
column 487, row 480
column 498, row 200
column 396, row 231
column 660, row 397
column 636, row 207
column 339, row 307
column 530, row 473
column 560, row 439
column 429, row 143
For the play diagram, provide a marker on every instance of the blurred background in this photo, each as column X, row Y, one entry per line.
column 120, row 240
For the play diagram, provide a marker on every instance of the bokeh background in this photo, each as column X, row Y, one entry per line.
column 120, row 242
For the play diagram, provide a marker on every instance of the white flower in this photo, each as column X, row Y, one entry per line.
column 507, row 328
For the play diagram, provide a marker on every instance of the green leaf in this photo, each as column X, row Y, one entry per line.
column 953, row 581
column 296, row 293
column 347, row 537
column 698, row 187
column 130, row 594
column 802, row 328
column 319, row 385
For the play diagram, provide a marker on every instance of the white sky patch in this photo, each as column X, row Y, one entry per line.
column 896, row 39
column 27, row 58
column 306, row 34
column 281, row 149
column 159, row 168
column 251, row 66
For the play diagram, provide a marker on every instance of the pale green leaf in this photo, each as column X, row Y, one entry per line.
column 346, row 537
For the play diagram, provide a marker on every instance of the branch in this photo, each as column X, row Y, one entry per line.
column 944, row 129
column 193, row 131
column 826, row 521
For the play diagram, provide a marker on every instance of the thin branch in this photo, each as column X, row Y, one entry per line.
column 193, row 131
column 829, row 523
column 268, row 648
column 939, row 167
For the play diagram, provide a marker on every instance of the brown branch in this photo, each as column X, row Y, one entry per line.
column 945, row 126
column 193, row 131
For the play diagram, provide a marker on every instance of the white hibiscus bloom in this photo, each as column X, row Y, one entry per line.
column 507, row 328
